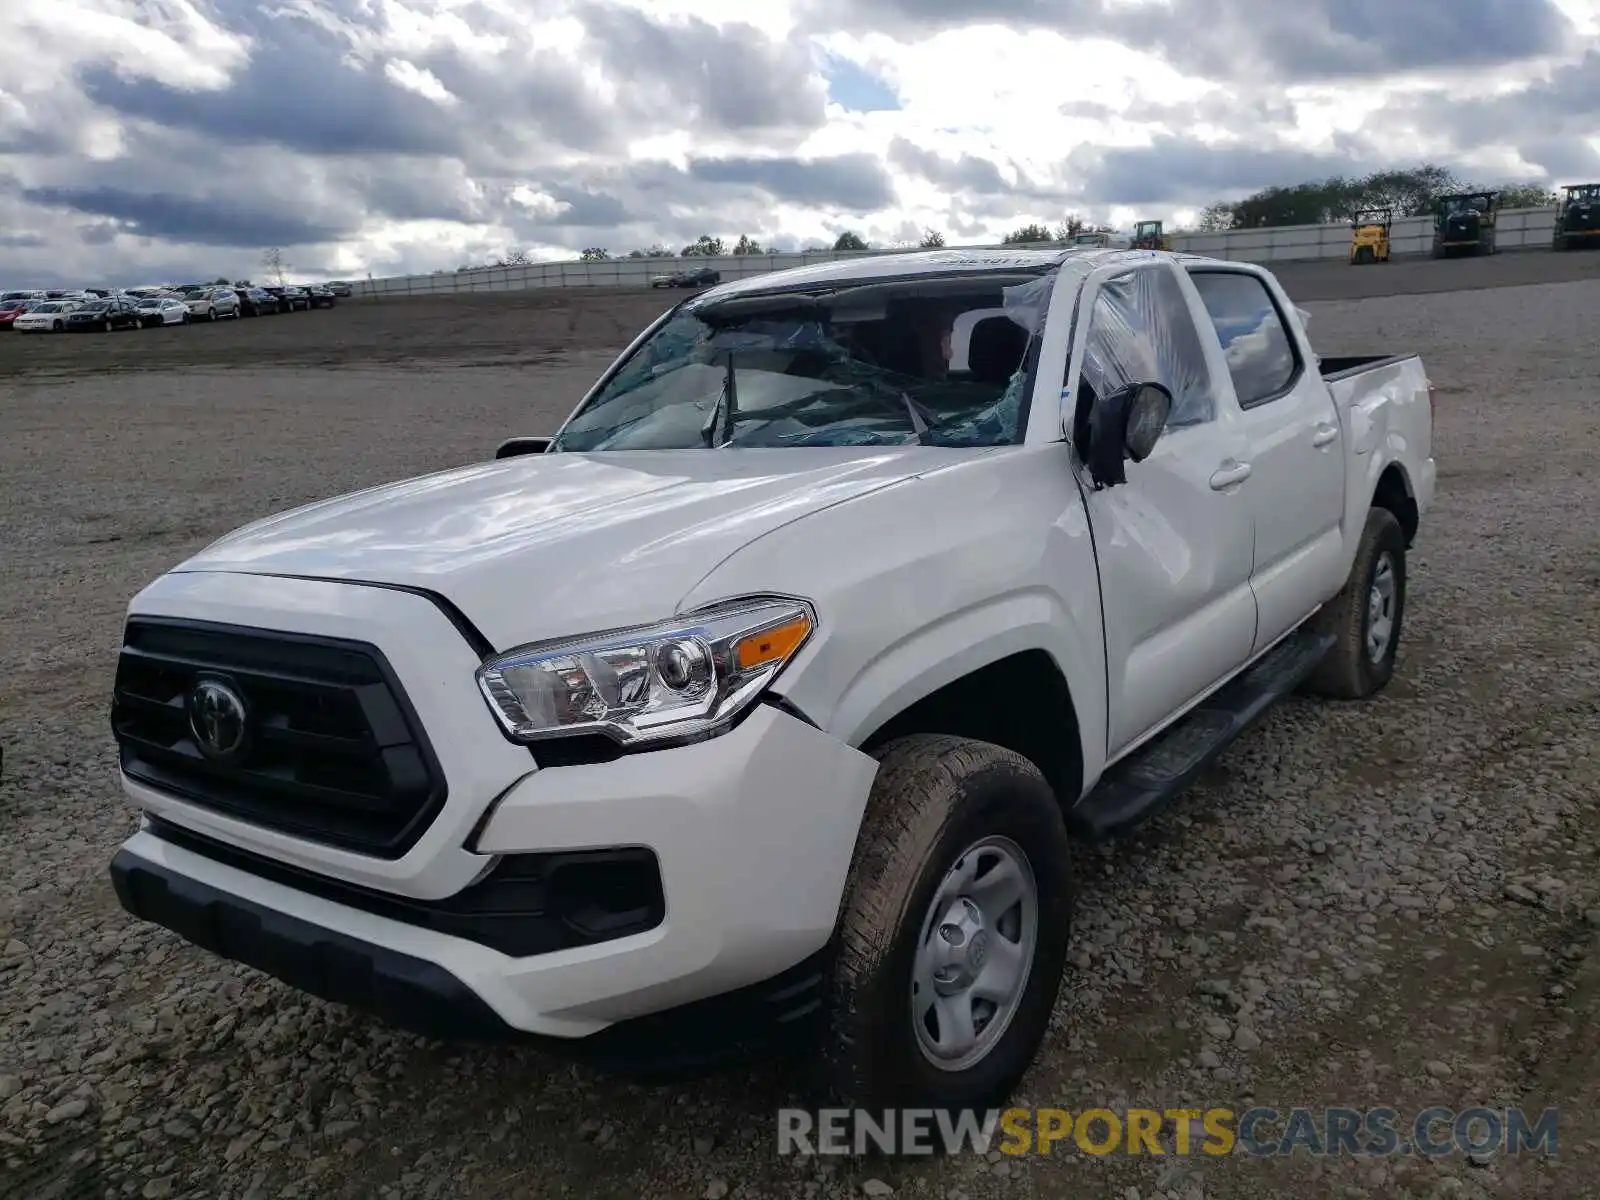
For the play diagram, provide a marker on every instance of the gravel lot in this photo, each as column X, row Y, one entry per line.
column 1393, row 903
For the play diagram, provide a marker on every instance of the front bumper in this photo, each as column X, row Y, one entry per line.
column 752, row 834
column 416, row 994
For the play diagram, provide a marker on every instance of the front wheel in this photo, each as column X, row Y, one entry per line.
column 953, row 929
column 1366, row 616
column 108, row 326
column 58, row 327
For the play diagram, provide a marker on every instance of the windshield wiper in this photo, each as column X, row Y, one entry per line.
column 727, row 408
column 919, row 423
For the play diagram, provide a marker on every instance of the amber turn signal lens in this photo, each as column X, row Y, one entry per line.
column 771, row 645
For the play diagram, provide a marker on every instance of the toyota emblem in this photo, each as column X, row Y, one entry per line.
column 218, row 719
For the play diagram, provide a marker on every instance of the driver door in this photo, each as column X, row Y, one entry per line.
column 1175, row 543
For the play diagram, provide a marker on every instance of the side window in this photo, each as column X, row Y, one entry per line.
column 1141, row 331
column 1261, row 358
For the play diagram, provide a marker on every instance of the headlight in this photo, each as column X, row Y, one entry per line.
column 682, row 680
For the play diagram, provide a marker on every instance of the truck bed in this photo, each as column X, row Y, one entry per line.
column 1342, row 367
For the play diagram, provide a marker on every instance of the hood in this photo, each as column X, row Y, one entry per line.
column 548, row 545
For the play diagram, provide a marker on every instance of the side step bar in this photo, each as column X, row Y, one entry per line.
column 1150, row 778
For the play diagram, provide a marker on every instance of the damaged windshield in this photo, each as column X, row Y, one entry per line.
column 938, row 362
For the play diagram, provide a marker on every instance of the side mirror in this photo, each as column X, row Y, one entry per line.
column 1126, row 425
column 512, row 447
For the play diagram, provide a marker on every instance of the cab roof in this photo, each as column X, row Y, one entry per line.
column 927, row 263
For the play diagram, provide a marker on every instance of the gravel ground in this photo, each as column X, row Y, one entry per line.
column 1391, row 903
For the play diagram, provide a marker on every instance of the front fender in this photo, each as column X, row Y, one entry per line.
column 921, row 583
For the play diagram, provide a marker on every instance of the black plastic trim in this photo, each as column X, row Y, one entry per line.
column 1349, row 366
column 523, row 920
column 413, row 994
column 416, row 737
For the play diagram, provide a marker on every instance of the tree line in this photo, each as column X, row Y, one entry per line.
column 1410, row 192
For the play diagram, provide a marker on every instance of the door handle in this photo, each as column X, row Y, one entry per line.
column 1324, row 435
column 1226, row 477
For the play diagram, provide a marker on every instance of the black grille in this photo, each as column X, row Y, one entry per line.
column 1463, row 226
column 1582, row 218
column 334, row 752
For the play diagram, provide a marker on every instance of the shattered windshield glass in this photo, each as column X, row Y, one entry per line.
column 939, row 363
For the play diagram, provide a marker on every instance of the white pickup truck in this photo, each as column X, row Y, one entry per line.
column 767, row 693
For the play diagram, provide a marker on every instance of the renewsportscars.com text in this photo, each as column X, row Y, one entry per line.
column 1259, row 1132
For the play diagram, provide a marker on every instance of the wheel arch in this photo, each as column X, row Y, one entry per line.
column 1394, row 492
column 1020, row 700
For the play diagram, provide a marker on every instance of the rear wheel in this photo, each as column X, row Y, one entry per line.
column 1366, row 616
column 953, row 929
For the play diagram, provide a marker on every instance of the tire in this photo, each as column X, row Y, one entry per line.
column 934, row 802
column 58, row 327
column 108, row 325
column 1352, row 671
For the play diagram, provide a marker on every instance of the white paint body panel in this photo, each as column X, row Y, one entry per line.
column 1298, row 457
column 923, row 564
column 549, row 545
column 754, row 832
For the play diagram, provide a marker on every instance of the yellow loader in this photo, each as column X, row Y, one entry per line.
column 1369, row 236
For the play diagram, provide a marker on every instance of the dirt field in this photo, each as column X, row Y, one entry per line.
column 1390, row 904
column 501, row 329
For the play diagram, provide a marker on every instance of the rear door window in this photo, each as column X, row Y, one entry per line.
column 1255, row 341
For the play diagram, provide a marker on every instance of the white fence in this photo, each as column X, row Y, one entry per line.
column 1516, row 229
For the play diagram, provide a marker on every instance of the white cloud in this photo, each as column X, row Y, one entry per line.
column 458, row 127
column 419, row 80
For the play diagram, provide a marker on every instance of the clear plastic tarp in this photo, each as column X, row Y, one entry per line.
column 1141, row 331
column 803, row 379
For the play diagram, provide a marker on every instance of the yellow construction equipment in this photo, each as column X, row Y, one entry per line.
column 1369, row 236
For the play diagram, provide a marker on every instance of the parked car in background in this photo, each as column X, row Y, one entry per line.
column 212, row 304
column 318, row 296
column 114, row 312
column 697, row 277
column 255, row 302
column 341, row 288
column 161, row 310
column 662, row 281
column 48, row 316
column 10, row 310
column 27, row 294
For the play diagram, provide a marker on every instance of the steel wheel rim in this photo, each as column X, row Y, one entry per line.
column 974, row 954
column 1381, row 597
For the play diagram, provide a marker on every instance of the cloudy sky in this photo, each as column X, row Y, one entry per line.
column 150, row 139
